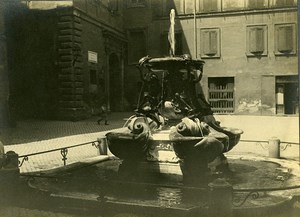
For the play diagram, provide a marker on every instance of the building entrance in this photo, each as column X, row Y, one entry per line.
column 287, row 95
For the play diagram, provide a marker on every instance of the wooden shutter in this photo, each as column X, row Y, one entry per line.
column 205, row 44
column 285, row 39
column 213, row 42
column 209, row 42
column 256, row 40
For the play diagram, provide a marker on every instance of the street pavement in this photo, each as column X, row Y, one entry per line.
column 31, row 136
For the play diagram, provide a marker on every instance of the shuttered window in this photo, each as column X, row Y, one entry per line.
column 256, row 40
column 285, row 39
column 210, row 43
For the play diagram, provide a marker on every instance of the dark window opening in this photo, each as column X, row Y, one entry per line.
column 221, row 94
column 93, row 76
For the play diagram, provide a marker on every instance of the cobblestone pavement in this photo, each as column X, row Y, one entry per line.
column 39, row 136
column 27, row 131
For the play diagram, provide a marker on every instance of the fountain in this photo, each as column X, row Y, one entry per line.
column 171, row 113
column 171, row 159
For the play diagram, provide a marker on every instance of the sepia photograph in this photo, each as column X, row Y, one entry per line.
column 149, row 108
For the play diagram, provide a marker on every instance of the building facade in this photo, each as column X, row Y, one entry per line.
column 249, row 46
column 66, row 58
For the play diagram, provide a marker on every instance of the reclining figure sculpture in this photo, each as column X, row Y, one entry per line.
column 170, row 103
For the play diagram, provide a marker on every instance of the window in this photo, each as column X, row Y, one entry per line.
column 210, row 43
column 257, row 40
column 136, row 46
column 221, row 94
column 283, row 3
column 257, row 3
column 285, row 39
column 165, row 45
column 210, row 5
column 136, row 3
column 93, row 76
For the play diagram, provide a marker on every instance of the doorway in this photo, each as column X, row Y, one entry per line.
column 287, row 95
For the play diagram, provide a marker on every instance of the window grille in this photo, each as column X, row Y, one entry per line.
column 221, row 95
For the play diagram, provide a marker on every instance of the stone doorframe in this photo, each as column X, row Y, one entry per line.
column 114, row 44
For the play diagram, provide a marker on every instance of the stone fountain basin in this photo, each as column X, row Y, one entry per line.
column 158, row 184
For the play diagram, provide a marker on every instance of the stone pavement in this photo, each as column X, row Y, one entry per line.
column 31, row 136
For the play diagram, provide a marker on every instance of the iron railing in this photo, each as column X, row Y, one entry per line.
column 63, row 151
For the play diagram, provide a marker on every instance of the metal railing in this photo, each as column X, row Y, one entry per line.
column 63, row 151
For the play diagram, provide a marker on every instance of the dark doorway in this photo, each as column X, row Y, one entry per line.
column 115, row 83
column 287, row 94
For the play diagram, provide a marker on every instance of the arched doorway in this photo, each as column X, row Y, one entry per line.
column 115, row 83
